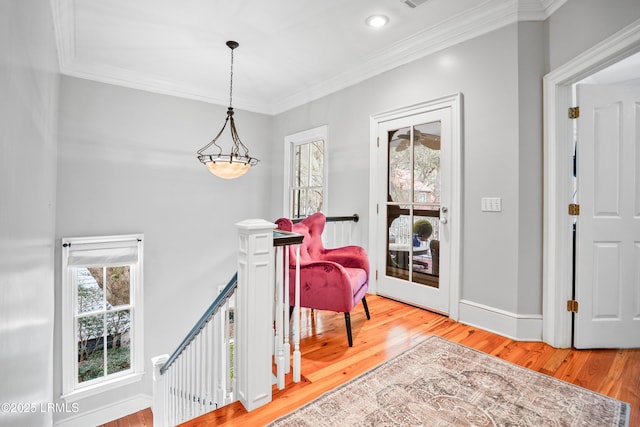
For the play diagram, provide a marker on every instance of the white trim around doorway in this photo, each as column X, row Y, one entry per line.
column 558, row 152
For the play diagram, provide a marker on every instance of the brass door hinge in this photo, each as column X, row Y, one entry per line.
column 574, row 209
column 574, row 112
column 572, row 306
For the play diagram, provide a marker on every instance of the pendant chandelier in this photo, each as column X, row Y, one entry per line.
column 238, row 161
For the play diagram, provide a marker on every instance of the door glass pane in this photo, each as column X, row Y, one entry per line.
column 413, row 205
column 426, row 164
column 398, row 242
column 399, row 168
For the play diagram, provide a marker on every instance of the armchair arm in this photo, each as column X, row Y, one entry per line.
column 349, row 257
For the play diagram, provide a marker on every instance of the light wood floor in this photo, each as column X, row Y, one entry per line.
column 327, row 361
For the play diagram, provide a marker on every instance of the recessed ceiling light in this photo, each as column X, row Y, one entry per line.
column 377, row 21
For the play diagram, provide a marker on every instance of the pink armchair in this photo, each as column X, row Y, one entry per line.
column 330, row 279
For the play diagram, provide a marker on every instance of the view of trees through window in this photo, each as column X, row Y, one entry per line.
column 307, row 178
column 103, row 321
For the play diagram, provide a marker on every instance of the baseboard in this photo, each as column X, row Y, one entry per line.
column 520, row 327
column 108, row 412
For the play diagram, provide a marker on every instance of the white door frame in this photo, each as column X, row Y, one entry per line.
column 456, row 207
column 558, row 171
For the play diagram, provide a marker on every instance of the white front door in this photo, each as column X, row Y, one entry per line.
column 414, row 208
column 608, row 225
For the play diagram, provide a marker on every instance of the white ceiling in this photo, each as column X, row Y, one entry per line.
column 291, row 51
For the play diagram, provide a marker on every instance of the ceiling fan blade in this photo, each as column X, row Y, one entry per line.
column 430, row 141
column 403, row 145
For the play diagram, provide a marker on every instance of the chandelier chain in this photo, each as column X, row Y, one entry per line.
column 231, row 82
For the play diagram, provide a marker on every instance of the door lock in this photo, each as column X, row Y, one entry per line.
column 444, row 210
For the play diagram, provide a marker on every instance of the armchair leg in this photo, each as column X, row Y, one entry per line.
column 366, row 307
column 347, row 320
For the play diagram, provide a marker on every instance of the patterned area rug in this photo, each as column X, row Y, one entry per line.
column 441, row 383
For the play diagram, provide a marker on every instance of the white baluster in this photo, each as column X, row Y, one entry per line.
column 218, row 356
column 179, row 388
column 232, row 359
column 189, row 377
column 199, row 373
column 205, row 355
column 184, row 385
column 210, row 362
column 172, row 381
column 224, row 356
column 296, row 321
column 167, row 397
column 279, row 342
column 174, row 393
column 194, row 379
column 211, row 347
column 285, row 312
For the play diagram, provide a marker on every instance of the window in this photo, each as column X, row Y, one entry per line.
column 101, row 313
column 305, row 173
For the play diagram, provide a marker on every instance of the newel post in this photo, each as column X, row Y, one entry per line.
column 158, row 406
column 254, row 313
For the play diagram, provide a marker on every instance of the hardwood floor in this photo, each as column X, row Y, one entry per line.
column 394, row 327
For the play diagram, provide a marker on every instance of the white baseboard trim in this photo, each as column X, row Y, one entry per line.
column 520, row 327
column 107, row 413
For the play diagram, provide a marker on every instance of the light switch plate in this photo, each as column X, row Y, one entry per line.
column 491, row 204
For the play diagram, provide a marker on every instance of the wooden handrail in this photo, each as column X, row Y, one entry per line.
column 354, row 218
column 213, row 308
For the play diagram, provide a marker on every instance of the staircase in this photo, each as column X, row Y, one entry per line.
column 230, row 352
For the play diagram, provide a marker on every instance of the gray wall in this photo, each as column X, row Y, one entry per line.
column 127, row 164
column 581, row 24
column 486, row 71
column 28, row 119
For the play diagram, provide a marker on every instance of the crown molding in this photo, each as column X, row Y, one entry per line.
column 488, row 16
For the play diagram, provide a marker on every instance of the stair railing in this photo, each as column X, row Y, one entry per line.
column 198, row 377
column 229, row 353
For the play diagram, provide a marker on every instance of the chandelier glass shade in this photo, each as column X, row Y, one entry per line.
column 238, row 161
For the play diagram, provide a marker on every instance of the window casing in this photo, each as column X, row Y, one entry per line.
column 306, row 173
column 102, row 314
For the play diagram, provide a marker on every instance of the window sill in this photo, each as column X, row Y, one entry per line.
column 102, row 387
